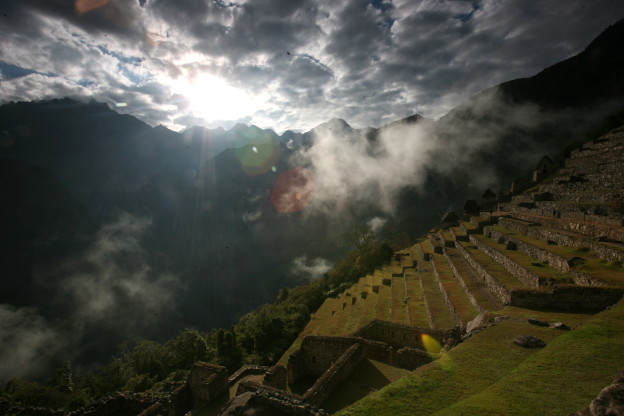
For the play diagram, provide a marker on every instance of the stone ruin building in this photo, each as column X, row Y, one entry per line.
column 441, row 290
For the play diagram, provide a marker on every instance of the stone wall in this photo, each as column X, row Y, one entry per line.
column 259, row 399
column 581, row 278
column 341, row 369
column 248, row 385
column 318, row 353
column 520, row 272
column 181, row 401
column 296, row 368
column 541, row 233
column 207, row 381
column 568, row 298
column 554, row 260
column 579, row 226
column 247, row 370
column 277, row 377
column 399, row 336
column 493, row 285
column 157, row 409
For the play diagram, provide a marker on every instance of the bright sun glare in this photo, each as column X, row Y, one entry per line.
column 212, row 98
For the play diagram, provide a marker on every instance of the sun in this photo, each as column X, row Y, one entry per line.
column 212, row 98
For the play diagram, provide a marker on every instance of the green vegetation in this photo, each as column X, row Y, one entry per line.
column 260, row 337
column 489, row 375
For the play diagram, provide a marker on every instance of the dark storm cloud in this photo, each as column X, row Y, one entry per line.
column 358, row 34
column 367, row 61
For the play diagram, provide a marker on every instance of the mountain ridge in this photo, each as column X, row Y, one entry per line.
column 212, row 221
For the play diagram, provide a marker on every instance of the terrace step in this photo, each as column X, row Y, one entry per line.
column 497, row 279
column 405, row 259
column 398, row 308
column 469, row 228
column 612, row 139
column 609, row 251
column 610, row 228
column 368, row 312
column 416, row 309
column 448, row 238
column 589, row 196
column 585, row 267
column 395, row 266
column 475, row 288
column 479, row 221
column 590, row 174
column 459, row 305
column 533, row 274
column 437, row 310
column 384, row 300
column 597, row 157
column 607, row 147
column 575, row 209
column 356, row 309
column 458, row 234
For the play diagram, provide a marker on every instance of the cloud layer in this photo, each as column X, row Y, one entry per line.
column 297, row 62
column 110, row 294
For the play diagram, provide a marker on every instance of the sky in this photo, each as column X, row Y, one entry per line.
column 284, row 64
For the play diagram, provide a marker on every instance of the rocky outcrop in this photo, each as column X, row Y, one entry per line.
column 609, row 402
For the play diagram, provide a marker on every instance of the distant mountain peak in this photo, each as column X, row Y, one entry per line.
column 332, row 124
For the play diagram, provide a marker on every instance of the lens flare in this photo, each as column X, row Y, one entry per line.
column 446, row 363
column 84, row 6
column 293, row 190
column 430, row 344
column 258, row 154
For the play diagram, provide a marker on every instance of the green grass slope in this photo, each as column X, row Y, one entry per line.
column 489, row 375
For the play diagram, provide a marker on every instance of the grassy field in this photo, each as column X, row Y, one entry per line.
column 489, row 375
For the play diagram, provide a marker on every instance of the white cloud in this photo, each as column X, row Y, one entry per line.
column 116, row 281
column 310, row 268
column 27, row 342
column 303, row 61
column 349, row 167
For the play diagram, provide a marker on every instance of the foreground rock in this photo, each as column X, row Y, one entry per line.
column 529, row 341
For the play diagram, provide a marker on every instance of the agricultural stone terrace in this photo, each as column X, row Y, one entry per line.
column 552, row 254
